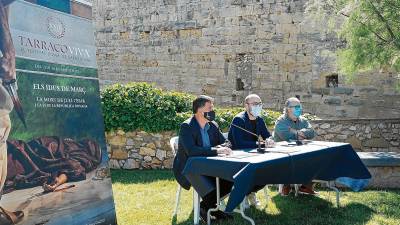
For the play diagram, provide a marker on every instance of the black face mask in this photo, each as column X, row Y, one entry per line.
column 210, row 115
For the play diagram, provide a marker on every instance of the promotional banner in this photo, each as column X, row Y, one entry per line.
column 53, row 152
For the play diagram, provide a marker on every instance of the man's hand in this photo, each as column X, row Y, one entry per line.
column 299, row 134
column 269, row 142
column 224, row 151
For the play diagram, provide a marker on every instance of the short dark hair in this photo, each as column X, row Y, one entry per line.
column 201, row 101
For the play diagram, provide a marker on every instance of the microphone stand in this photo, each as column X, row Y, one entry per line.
column 259, row 149
column 298, row 142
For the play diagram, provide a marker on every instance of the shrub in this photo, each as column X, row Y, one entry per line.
column 182, row 101
column 141, row 106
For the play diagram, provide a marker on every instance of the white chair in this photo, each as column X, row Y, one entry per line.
column 196, row 198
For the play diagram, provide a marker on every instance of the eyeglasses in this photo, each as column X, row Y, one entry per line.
column 255, row 103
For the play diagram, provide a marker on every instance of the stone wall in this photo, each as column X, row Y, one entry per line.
column 139, row 150
column 229, row 48
column 142, row 150
column 368, row 135
column 385, row 177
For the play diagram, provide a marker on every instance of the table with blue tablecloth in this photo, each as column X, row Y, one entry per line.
column 285, row 163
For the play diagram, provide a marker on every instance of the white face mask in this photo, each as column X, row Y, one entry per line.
column 256, row 110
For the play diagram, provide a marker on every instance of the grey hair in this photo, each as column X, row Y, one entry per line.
column 251, row 96
column 287, row 104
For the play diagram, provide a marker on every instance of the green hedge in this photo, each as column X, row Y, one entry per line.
column 141, row 106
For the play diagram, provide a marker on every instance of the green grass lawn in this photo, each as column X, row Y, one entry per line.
column 147, row 197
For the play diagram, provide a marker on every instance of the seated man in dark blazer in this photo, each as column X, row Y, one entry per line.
column 251, row 121
column 201, row 136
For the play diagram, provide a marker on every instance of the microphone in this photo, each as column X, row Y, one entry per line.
column 259, row 149
column 298, row 142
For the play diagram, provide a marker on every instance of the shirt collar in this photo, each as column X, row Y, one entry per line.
column 206, row 127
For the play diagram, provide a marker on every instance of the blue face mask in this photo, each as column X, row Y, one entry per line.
column 256, row 110
column 297, row 111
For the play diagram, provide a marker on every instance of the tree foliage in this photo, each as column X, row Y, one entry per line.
column 371, row 30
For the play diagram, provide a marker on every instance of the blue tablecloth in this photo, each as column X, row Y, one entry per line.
column 285, row 164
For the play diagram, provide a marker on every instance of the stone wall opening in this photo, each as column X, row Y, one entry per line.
column 239, row 84
column 332, row 80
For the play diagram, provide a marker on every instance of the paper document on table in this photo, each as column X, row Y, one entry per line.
column 269, row 150
column 240, row 155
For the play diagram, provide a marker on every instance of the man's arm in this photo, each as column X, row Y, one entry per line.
column 189, row 145
column 283, row 131
column 7, row 61
column 221, row 138
column 238, row 134
column 308, row 131
column 264, row 130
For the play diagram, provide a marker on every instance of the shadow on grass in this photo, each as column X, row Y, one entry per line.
column 302, row 210
column 141, row 176
column 317, row 210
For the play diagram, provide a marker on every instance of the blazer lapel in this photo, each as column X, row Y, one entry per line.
column 211, row 134
column 196, row 127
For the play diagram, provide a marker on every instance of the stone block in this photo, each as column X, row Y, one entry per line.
column 355, row 102
column 160, row 154
column 114, row 164
column 368, row 90
column 343, row 90
column 147, row 159
column 145, row 151
column 373, row 159
column 385, row 177
column 376, row 143
column 353, row 128
column 341, row 137
column 325, row 126
column 168, row 163
column 131, row 164
column 320, row 91
column 355, row 142
column 117, row 140
column 135, row 155
column 119, row 154
column 333, row 101
column 151, row 145
column 130, row 142
column 190, row 33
